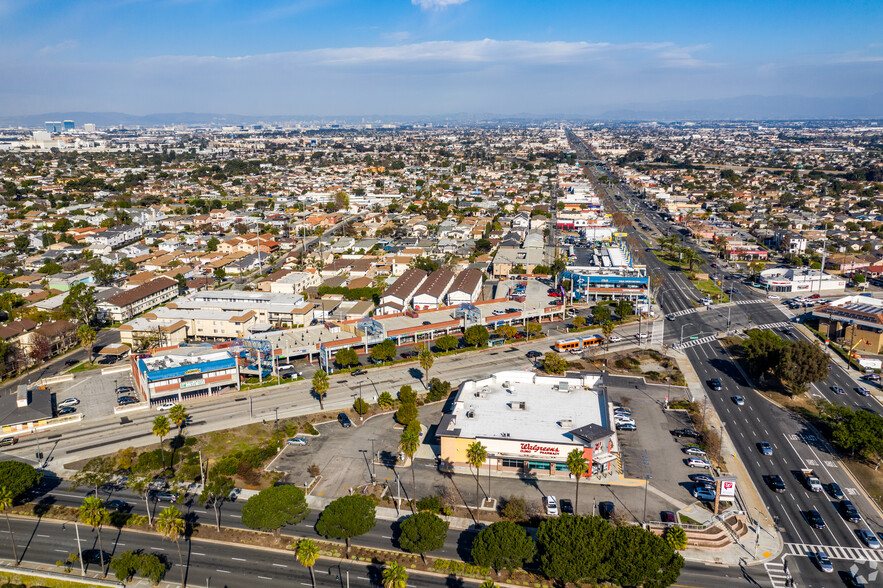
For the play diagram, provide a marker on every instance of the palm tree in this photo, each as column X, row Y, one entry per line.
column 426, row 361
column 689, row 256
column 87, row 336
column 140, row 485
column 93, row 513
column 161, row 428
column 307, row 554
column 579, row 467
column 5, row 505
column 488, row 584
column 320, row 386
column 178, row 416
column 476, row 455
column 171, row 526
column 408, row 443
column 607, row 328
column 395, row 576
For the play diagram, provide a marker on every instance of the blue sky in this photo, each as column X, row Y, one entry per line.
column 329, row 57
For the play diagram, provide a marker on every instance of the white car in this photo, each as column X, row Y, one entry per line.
column 615, row 338
column 694, row 451
column 695, row 462
column 165, row 406
column 774, row 297
column 624, row 420
column 68, row 402
column 551, row 506
column 642, row 335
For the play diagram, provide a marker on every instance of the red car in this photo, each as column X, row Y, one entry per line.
column 815, row 296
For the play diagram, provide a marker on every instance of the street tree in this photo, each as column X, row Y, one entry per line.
column 409, row 442
column 607, row 328
column 346, row 357
column 80, row 303
column 6, row 502
column 426, row 361
column 624, row 309
column 321, row 384
column 219, row 274
column 575, row 549
column 347, row 517
column 307, row 553
column 601, row 313
column 95, row 473
column 170, row 524
column 272, row 508
column 578, row 466
column 360, row 406
column 476, row 455
column 533, row 328
column 384, row 400
column 140, row 486
column 578, row 321
column 554, row 363
column 87, row 336
column 161, row 428
column 446, row 342
column 93, row 513
column 860, row 431
column 476, row 336
column 503, row 546
column 384, row 351
column 18, row 477
column 407, row 413
column 642, row 558
column 506, row 331
column 762, row 349
column 178, row 416
column 423, row 532
column 394, row 576
column 800, row 364
column 215, row 491
column 688, row 256
column 676, row 537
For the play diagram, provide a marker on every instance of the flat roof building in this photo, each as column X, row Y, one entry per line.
column 183, row 373
column 791, row 279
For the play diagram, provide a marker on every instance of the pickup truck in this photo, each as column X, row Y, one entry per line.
column 811, row 480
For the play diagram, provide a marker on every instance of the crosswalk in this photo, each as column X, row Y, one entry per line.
column 684, row 312
column 695, row 342
column 776, row 573
column 834, row 552
column 765, row 327
column 751, row 301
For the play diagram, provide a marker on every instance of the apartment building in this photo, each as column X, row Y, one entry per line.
column 397, row 297
column 130, row 303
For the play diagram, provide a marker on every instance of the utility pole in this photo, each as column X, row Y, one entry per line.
column 79, row 549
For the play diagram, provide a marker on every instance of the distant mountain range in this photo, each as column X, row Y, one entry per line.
column 740, row 108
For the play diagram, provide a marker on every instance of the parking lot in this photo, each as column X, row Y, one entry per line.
column 95, row 392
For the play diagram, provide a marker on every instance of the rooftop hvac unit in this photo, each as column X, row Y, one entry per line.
column 565, row 423
column 470, row 414
column 520, row 405
column 481, row 393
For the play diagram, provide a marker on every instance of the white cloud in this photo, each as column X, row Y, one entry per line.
column 62, row 47
column 436, row 4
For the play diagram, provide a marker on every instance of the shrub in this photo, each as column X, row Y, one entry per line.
column 430, row 503
column 514, row 509
column 309, row 429
column 438, row 390
column 676, row 537
column 407, row 395
column 406, row 413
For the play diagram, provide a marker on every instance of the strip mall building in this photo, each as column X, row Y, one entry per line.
column 529, row 423
column 183, row 373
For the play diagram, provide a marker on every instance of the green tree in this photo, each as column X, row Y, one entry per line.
column 170, row 524
column 346, row 357
column 341, row 201
column 506, row 331
column 601, row 313
column 554, row 363
column 641, row 558
column 476, row 336
column 426, row 361
column 859, row 431
column 215, row 491
column 574, row 549
column 140, row 486
column 762, row 349
column 307, row 553
column 676, row 537
column 394, row 576
column 446, row 342
column 406, row 413
column 347, row 517
column 128, row 265
column 607, row 328
column 578, row 466
column 384, row 351
column 272, row 508
column 360, row 406
column 503, row 546
column 6, row 502
column 533, row 328
column 488, row 584
column 95, row 473
column 384, row 400
column 212, row 244
column 423, row 532
column 178, row 416
column 476, row 455
column 80, row 303
column 104, row 273
column 624, row 309
column 409, row 442
column 320, row 386
column 93, row 513
column 688, row 256
column 17, row 477
column 161, row 428
column 219, row 274
column 578, row 321
column 801, row 363
column 21, row 243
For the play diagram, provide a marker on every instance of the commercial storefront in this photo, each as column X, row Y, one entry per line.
column 788, row 280
column 173, row 377
column 529, row 424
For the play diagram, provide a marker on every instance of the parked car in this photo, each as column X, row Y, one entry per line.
column 868, row 538
column 702, row 478
column 165, row 406
column 686, row 433
column 849, row 511
column 776, row 483
column 667, row 516
column 715, row 384
column 765, row 448
column 124, row 389
column 409, row 354
column 626, row 427
column 814, row 518
column 66, row 410
column 344, row 420
column 823, row 562
column 165, row 496
column 126, row 400
column 622, row 410
column 70, row 362
column 551, row 504
column 298, row 441
column 740, row 401
column 606, row 509
column 7, row 441
column 694, row 451
column 566, row 506
column 704, row 494
column 68, row 402
column 835, row 491
column 695, row 462
column 359, row 372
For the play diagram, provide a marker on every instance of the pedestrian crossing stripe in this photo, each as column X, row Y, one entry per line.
column 836, row 552
column 776, row 573
column 751, row 301
column 684, row 312
column 694, row 342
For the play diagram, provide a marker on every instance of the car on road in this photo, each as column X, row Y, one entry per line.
column 606, row 509
column 765, row 448
column 614, row 338
column 695, row 462
column 7, row 441
column 118, row 505
column 704, row 494
column 849, row 511
column 871, row 377
column 165, row 496
column 126, row 400
column 701, row 478
column 360, row 372
column 533, row 353
column 566, row 506
column 837, row 390
column 715, row 384
column 70, row 362
column 67, row 410
column 626, row 426
column 814, row 518
column 852, row 580
column 740, row 401
column 344, row 420
column 301, row 441
column 862, row 391
column 823, row 562
column 686, row 433
column 835, row 491
column 776, row 483
column 124, row 389
column 642, row 335
column 165, row 406
column 868, row 538
column 551, row 504
column 68, row 402
column 670, row 317
column 694, row 451
column 774, row 297
column 94, row 556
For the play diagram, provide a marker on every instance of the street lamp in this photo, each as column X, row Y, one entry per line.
column 681, row 340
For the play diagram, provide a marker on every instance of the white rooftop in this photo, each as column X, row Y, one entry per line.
column 524, row 405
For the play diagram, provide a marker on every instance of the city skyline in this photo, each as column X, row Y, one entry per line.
column 435, row 57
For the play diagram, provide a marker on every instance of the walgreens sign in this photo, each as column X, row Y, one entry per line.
column 533, row 449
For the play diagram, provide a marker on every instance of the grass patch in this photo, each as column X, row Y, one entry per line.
column 685, row 520
column 709, row 288
column 84, row 367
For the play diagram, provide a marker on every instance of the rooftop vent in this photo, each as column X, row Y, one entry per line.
column 563, row 387
column 481, row 393
column 470, row 413
column 565, row 423
column 521, row 405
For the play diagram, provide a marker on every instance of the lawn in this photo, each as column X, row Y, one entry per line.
column 709, row 288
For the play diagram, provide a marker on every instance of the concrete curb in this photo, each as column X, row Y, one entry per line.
column 73, row 579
